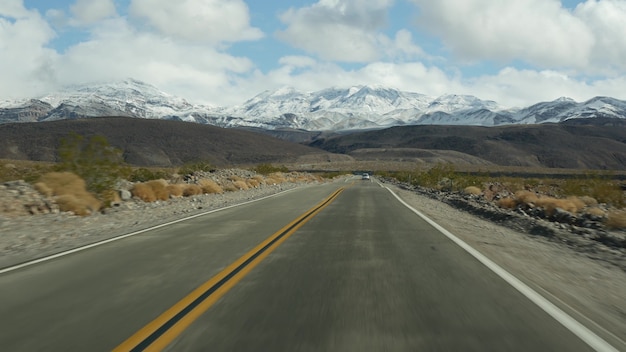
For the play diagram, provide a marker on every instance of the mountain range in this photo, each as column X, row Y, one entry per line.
column 332, row 109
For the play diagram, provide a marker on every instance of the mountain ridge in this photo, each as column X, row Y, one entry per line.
column 330, row 109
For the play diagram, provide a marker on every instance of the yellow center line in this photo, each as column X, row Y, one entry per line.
column 157, row 334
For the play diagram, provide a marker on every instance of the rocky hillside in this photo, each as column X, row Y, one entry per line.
column 148, row 142
column 574, row 144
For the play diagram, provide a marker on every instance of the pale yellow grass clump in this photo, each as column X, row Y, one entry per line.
column 229, row 187
column 526, row 197
column 572, row 204
column 276, row 178
column 235, row 178
column 143, row 192
column 507, row 202
column 241, row 185
column 210, row 187
column 252, row 183
column 595, row 211
column 473, row 190
column 259, row 178
column 70, row 192
column 192, row 190
column 176, row 190
column 616, row 219
column 159, row 187
column 589, row 201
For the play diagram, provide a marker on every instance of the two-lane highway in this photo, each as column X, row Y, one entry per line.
column 350, row 270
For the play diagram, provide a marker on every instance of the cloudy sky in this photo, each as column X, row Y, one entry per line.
column 223, row 52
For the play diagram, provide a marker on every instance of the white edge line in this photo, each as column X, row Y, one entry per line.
column 588, row 336
column 120, row 237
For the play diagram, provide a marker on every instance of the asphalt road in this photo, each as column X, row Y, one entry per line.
column 362, row 273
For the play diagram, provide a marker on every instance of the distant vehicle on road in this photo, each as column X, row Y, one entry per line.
column 365, row 176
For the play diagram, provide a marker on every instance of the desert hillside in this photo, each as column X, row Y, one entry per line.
column 582, row 144
column 148, row 142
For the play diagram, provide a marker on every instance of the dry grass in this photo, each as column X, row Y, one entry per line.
column 176, row 190
column 595, row 211
column 616, row 219
column 276, row 178
column 241, row 185
column 235, row 178
column 229, row 187
column 473, row 190
column 252, row 183
column 43, row 189
column 589, row 201
column 572, row 204
column 210, row 187
column 259, row 178
column 159, row 187
column 507, row 202
column 526, row 197
column 192, row 190
column 70, row 192
column 143, row 192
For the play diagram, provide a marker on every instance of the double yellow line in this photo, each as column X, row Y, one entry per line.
column 163, row 330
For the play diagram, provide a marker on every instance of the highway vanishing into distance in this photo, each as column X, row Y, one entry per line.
column 343, row 266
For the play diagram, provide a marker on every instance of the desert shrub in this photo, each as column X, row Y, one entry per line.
column 192, row 190
column 550, row 204
column 29, row 171
column 439, row 176
column 526, row 197
column 175, row 190
column 210, row 187
column 595, row 211
column 252, row 183
column 508, row 203
column 143, row 174
column 190, row 168
column 276, row 178
column 616, row 219
column 601, row 187
column 266, row 169
column 235, row 178
column 77, row 205
column 240, row 185
column 143, row 192
column 229, row 187
column 472, row 190
column 70, row 192
column 259, row 178
column 589, row 201
column 43, row 189
column 159, row 187
column 94, row 160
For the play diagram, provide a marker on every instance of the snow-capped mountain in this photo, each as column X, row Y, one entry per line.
column 358, row 107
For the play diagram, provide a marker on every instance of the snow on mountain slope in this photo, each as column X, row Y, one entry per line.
column 357, row 107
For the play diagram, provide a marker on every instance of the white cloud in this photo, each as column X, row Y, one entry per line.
column 297, row 61
column 338, row 30
column 26, row 64
column 606, row 19
column 117, row 51
column 540, row 32
column 87, row 12
column 14, row 9
column 211, row 21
